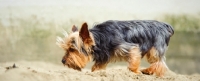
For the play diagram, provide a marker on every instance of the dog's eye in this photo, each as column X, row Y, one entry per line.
column 71, row 49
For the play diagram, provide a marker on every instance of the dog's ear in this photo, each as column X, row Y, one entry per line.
column 74, row 28
column 84, row 32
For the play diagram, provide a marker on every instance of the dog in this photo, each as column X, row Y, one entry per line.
column 114, row 40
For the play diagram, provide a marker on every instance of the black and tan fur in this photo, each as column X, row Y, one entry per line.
column 113, row 41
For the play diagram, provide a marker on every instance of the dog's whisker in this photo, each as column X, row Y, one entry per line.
column 64, row 33
column 59, row 39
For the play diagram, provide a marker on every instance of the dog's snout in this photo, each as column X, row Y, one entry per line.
column 63, row 61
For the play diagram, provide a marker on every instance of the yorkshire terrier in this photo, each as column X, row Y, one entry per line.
column 113, row 41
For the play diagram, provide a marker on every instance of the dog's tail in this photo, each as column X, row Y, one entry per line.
column 170, row 29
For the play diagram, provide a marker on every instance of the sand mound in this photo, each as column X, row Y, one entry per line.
column 42, row 71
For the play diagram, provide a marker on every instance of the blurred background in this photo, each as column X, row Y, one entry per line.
column 28, row 28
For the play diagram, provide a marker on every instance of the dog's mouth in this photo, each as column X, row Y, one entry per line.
column 73, row 67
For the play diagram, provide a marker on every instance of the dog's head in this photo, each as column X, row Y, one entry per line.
column 78, row 47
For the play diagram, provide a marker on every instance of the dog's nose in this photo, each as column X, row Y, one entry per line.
column 63, row 61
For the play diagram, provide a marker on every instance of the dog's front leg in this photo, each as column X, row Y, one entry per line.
column 99, row 66
column 134, row 60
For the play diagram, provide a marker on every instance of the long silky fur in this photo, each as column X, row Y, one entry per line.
column 111, row 34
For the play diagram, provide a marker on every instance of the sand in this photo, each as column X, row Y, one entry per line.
column 43, row 71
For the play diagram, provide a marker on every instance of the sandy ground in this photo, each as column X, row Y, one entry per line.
column 62, row 11
column 42, row 71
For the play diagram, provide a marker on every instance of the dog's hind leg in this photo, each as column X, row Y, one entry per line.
column 157, row 61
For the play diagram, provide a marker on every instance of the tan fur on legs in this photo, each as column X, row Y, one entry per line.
column 157, row 66
column 134, row 60
column 99, row 66
column 161, row 69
